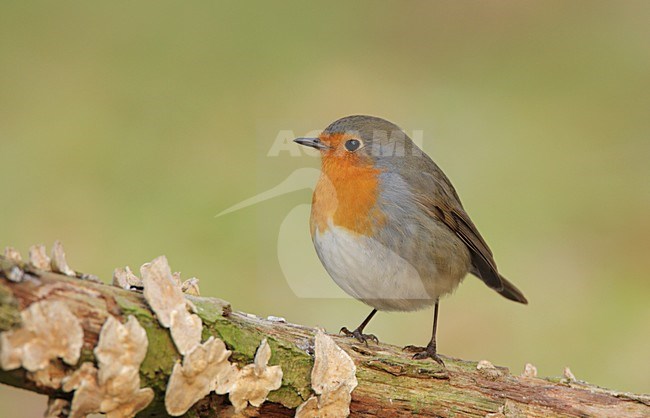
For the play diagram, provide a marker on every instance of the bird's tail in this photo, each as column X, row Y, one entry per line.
column 511, row 292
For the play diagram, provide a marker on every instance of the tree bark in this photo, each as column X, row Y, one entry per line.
column 391, row 383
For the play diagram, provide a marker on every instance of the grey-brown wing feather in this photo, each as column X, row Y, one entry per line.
column 438, row 197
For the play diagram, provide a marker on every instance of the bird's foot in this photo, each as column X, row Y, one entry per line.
column 421, row 353
column 362, row 338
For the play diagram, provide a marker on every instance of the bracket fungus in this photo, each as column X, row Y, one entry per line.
column 206, row 369
column 50, row 377
column 332, row 378
column 125, row 279
column 568, row 375
column 12, row 254
column 15, row 273
column 113, row 388
column 58, row 262
column 49, row 330
column 57, row 408
column 38, row 257
column 254, row 381
column 186, row 330
column 191, row 286
column 488, row 370
column 530, row 371
column 203, row 369
column 166, row 299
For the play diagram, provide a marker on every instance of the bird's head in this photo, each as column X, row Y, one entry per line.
column 360, row 141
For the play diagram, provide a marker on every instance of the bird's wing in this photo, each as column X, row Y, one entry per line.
column 438, row 197
column 456, row 219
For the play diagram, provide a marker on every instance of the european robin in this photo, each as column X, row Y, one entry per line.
column 388, row 225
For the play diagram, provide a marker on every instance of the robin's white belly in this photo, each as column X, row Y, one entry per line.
column 373, row 273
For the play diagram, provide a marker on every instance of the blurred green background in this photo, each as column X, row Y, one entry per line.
column 124, row 129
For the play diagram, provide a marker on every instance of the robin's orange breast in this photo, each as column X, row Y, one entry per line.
column 346, row 195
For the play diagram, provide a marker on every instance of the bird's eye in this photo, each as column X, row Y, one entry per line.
column 352, row 144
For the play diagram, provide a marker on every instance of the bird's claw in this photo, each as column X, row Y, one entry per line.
column 362, row 338
column 421, row 353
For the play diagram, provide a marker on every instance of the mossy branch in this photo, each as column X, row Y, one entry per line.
column 390, row 383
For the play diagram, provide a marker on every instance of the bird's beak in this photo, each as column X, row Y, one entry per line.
column 311, row 142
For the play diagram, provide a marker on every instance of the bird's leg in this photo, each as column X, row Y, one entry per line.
column 358, row 333
column 430, row 350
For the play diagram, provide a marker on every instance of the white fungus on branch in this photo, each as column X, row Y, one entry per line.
column 191, row 286
column 488, row 370
column 12, row 254
column 166, row 299
column 57, row 408
column 253, row 382
column 530, row 371
column 38, row 257
column 333, row 378
column 203, row 369
column 49, row 330
column 114, row 387
column 125, row 279
column 58, row 262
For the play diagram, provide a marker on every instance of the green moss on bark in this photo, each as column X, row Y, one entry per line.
column 244, row 339
column 9, row 309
